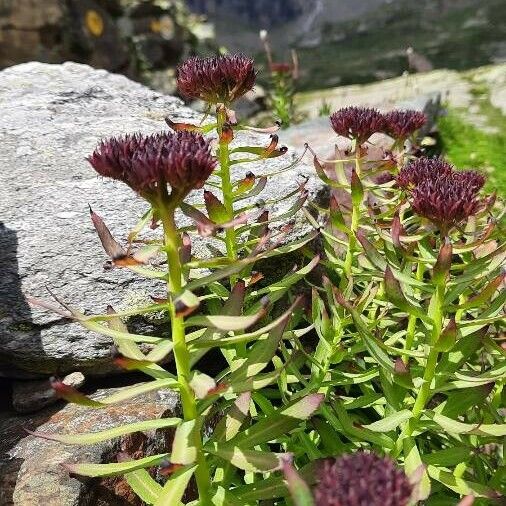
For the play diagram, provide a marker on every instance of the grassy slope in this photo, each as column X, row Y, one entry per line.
column 450, row 40
column 467, row 146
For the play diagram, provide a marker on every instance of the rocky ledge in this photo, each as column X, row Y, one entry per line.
column 52, row 117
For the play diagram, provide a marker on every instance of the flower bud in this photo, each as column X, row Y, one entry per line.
column 361, row 478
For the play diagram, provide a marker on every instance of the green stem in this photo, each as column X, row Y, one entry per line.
column 410, row 331
column 180, row 350
column 226, row 186
column 355, row 222
column 430, row 367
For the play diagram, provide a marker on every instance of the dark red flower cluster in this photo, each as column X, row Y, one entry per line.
column 218, row 79
column 402, row 124
column 357, row 122
column 181, row 159
column 441, row 194
column 361, row 122
column 422, row 169
column 447, row 201
column 361, row 479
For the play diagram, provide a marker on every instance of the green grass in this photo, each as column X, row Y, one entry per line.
column 468, row 147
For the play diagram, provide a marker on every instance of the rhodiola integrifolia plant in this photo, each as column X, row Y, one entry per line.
column 249, row 440
column 283, row 76
column 410, row 314
column 387, row 390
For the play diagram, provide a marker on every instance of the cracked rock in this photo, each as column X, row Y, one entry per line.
column 52, row 118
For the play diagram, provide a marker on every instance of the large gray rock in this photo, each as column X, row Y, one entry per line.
column 52, row 117
column 31, row 471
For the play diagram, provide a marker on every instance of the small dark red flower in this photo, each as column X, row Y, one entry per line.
column 218, row 79
column 402, row 124
column 361, row 479
column 281, row 67
column 181, row 159
column 422, row 169
column 448, row 200
column 357, row 122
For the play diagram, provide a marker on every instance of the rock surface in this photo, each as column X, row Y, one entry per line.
column 52, row 117
column 30, row 467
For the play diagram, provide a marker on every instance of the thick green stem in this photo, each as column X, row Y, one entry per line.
column 410, row 331
column 355, row 222
column 180, row 350
column 226, row 185
column 430, row 367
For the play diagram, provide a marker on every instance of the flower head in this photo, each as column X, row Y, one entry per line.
column 359, row 479
column 402, row 124
column 357, row 122
column 218, row 79
column 422, row 169
column 448, row 200
column 143, row 162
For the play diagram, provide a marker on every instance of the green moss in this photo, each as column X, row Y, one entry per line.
column 467, row 146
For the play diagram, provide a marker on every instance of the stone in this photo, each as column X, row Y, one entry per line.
column 31, row 396
column 318, row 133
column 31, row 471
column 52, row 117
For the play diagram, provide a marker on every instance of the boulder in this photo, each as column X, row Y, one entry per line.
column 31, row 471
column 52, row 117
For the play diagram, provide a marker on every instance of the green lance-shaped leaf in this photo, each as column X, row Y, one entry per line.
column 298, row 488
column 253, row 383
column 485, row 295
column 456, row 427
column 245, row 184
column 448, row 456
column 143, row 485
column 146, row 218
column 279, row 423
column 226, row 322
column 256, row 190
column 130, row 356
column 126, row 347
column 360, row 433
column 186, row 303
column 415, row 470
column 174, row 487
column 370, row 251
column 183, row 447
column 320, row 171
column 274, row 486
column 115, row 469
column 443, row 263
column 104, row 435
column 229, row 425
column 390, row 422
column 370, row 342
column 448, row 337
column 70, row 394
column 460, row 485
column 336, row 216
column 396, row 296
column 89, row 323
column 248, row 460
column 260, row 354
column 223, row 497
column 216, row 211
column 357, row 190
column 202, row 384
